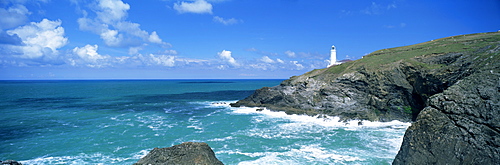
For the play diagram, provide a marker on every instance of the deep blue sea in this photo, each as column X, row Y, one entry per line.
column 120, row 121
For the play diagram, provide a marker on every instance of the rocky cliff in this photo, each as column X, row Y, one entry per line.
column 458, row 126
column 189, row 153
column 389, row 84
column 450, row 87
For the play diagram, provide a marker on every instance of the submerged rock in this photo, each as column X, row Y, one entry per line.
column 188, row 153
column 10, row 162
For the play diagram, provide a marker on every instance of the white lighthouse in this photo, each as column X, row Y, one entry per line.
column 333, row 57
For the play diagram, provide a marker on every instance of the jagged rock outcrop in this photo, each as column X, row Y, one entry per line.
column 389, row 84
column 450, row 87
column 188, row 153
column 459, row 126
column 10, row 162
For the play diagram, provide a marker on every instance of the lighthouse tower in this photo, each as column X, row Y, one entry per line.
column 333, row 57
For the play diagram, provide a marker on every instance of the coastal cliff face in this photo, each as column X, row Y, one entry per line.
column 459, row 126
column 389, row 84
column 449, row 87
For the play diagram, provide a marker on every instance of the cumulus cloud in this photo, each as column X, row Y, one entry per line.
column 111, row 25
column 40, row 39
column 198, row 6
column 224, row 21
column 266, row 59
column 134, row 50
column 226, row 56
column 290, row 54
column 112, row 10
column 297, row 65
column 112, row 38
column 154, row 38
column 89, row 56
column 266, row 63
column 163, row 60
column 280, row 61
column 13, row 16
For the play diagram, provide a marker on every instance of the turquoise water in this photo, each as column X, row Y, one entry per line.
column 119, row 121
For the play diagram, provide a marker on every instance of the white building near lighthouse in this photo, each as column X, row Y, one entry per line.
column 333, row 57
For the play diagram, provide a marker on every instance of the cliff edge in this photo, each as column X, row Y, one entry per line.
column 389, row 84
column 449, row 88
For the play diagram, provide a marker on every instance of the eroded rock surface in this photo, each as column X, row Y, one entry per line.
column 389, row 84
column 460, row 125
column 189, row 153
column 449, row 88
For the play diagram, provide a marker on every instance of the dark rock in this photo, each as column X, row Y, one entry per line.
column 460, row 125
column 11, row 162
column 390, row 84
column 188, row 153
column 450, row 87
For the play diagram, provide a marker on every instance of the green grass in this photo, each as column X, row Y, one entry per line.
column 408, row 109
column 387, row 58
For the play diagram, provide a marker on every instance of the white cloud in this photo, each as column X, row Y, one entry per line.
column 280, row 61
column 13, row 16
column 91, row 25
column 198, row 6
column 154, row 38
column 134, row 30
column 111, row 37
column 112, row 10
column 173, row 52
column 226, row 56
column 163, row 60
column 261, row 66
column 88, row 53
column 111, row 25
column 40, row 39
column 290, row 54
column 297, row 65
column 230, row 21
column 134, row 50
column 266, row 59
column 89, row 56
column 221, row 67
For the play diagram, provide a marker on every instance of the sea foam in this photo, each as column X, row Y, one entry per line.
column 323, row 120
column 315, row 135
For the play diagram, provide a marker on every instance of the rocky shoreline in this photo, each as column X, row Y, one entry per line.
column 449, row 88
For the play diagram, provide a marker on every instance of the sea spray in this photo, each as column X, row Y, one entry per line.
column 312, row 139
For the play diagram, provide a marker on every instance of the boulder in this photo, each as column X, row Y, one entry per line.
column 188, row 153
column 10, row 162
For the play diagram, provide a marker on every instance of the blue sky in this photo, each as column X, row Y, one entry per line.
column 211, row 39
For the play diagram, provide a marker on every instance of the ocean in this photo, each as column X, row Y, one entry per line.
column 120, row 121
